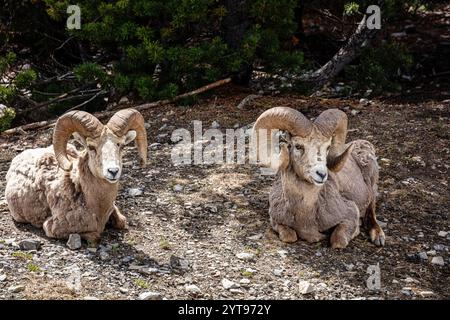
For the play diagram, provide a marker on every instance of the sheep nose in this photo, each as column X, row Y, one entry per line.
column 113, row 171
column 321, row 174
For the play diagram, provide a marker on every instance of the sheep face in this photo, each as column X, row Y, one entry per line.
column 308, row 157
column 105, row 153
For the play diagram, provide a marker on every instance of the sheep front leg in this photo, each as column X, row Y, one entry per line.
column 375, row 232
column 343, row 233
column 118, row 220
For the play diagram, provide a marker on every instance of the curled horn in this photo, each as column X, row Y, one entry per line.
column 75, row 121
column 280, row 118
column 130, row 119
column 333, row 123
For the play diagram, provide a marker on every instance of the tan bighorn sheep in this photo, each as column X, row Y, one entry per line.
column 67, row 191
column 322, row 183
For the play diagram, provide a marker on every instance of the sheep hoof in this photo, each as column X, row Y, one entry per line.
column 287, row 234
column 339, row 243
column 377, row 236
column 119, row 222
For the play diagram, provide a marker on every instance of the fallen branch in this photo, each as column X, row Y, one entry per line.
column 102, row 115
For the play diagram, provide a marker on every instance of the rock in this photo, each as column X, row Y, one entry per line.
column 244, row 281
column 178, row 188
column 278, row 272
column 124, row 100
column 354, row 112
column 16, row 288
column 104, row 255
column 154, row 146
column 74, row 241
column 30, row 244
column 149, row 295
column 123, row 290
column 147, row 126
column 179, row 263
column 135, row 192
column 407, row 291
column 283, row 253
column 364, row 101
column 349, row 267
column 442, row 234
column 2, row 277
column 305, row 287
column 215, row 125
column 425, row 294
column 245, row 256
column 431, row 252
column 439, row 261
column 256, row 237
column 398, row 34
column 418, row 160
column 227, row 284
column 439, row 247
column 90, row 298
column 423, row 256
column 192, row 288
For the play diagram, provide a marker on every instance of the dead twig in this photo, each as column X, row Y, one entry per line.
column 102, row 115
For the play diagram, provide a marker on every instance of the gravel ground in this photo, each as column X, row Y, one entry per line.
column 202, row 232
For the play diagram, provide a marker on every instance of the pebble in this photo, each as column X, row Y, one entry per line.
column 192, row 288
column 423, row 255
column 227, row 284
column 278, row 272
column 2, row 277
column 30, row 244
column 245, row 256
column 439, row 261
column 431, row 252
column 16, row 288
column 104, row 255
column 74, row 241
column 407, row 291
column 256, row 237
column 426, row 293
column 123, row 290
column 244, row 281
column 149, row 295
column 178, row 188
column 442, row 234
column 135, row 192
column 179, row 263
column 305, row 287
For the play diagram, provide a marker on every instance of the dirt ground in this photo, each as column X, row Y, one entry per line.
column 190, row 223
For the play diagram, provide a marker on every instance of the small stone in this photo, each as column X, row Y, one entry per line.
column 30, row 244
column 192, row 288
column 426, row 293
column 283, row 253
column 439, row 247
column 354, row 112
column 104, row 255
column 147, row 126
column 179, row 263
column 90, row 298
column 227, row 284
column 364, row 101
column 423, row 256
column 124, row 100
column 123, row 290
column 215, row 125
column 154, row 146
column 349, row 267
column 178, row 188
column 245, row 256
column 16, row 288
column 244, row 281
column 407, row 291
column 150, row 296
column 305, row 287
column 431, row 252
column 442, row 234
column 74, row 242
column 439, row 261
column 256, row 237
column 2, row 277
column 278, row 272
column 135, row 192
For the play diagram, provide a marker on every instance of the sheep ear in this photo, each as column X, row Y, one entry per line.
column 335, row 164
column 130, row 136
column 80, row 139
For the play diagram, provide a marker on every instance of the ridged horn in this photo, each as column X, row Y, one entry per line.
column 74, row 121
column 131, row 119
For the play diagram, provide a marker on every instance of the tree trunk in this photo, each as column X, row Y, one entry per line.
column 235, row 25
column 344, row 56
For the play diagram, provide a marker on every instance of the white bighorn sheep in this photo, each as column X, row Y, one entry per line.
column 322, row 182
column 66, row 191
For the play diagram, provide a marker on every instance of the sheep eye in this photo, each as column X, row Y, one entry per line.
column 298, row 147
